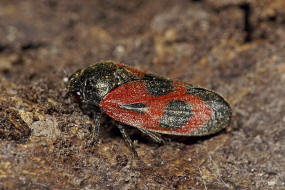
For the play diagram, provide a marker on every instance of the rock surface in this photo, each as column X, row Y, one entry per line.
column 233, row 47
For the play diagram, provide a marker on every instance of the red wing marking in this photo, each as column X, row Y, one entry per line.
column 135, row 92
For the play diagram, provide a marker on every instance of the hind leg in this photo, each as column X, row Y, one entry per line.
column 154, row 136
column 127, row 138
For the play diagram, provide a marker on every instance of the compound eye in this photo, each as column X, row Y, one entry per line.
column 77, row 95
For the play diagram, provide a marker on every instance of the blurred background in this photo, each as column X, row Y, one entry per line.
column 234, row 47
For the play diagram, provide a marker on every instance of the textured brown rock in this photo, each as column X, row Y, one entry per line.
column 233, row 47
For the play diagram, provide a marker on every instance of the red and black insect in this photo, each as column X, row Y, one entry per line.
column 153, row 104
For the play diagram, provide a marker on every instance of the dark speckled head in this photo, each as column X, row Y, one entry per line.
column 93, row 83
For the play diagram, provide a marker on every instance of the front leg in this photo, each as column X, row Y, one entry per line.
column 97, row 122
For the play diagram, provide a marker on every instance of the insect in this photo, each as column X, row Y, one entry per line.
column 153, row 104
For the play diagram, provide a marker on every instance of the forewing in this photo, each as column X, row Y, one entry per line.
column 175, row 112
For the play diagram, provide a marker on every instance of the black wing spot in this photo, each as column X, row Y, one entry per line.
column 136, row 107
column 157, row 86
column 176, row 114
column 221, row 110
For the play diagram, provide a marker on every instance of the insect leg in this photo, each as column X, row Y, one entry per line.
column 97, row 123
column 154, row 136
column 127, row 138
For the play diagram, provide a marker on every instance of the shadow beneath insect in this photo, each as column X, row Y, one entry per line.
column 135, row 134
column 191, row 140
